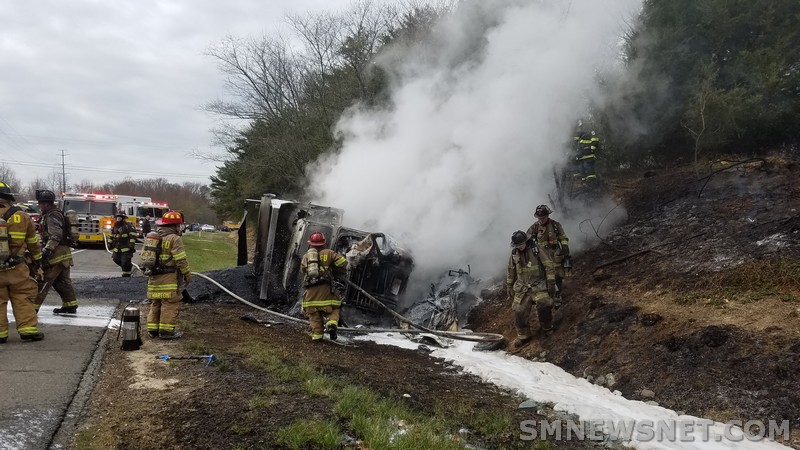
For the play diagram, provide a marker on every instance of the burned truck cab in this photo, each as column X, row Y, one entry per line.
column 376, row 263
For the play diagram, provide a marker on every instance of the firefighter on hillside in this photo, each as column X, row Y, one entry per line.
column 587, row 145
column 15, row 281
column 123, row 240
column 553, row 243
column 320, row 300
column 167, row 277
column 56, row 255
column 528, row 283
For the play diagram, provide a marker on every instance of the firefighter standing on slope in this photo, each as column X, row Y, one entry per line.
column 165, row 281
column 528, row 283
column 16, row 285
column 56, row 255
column 553, row 243
column 123, row 240
column 587, row 145
column 320, row 300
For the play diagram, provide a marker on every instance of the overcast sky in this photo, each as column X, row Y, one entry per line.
column 118, row 85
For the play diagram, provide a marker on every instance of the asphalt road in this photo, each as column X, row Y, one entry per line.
column 41, row 380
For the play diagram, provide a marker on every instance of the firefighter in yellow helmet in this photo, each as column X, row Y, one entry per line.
column 56, row 254
column 528, row 283
column 320, row 300
column 16, row 284
column 167, row 277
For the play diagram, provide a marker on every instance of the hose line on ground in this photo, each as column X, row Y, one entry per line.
column 458, row 335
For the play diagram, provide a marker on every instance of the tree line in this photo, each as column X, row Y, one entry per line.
column 700, row 79
column 194, row 199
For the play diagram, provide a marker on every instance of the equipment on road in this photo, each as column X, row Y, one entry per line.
column 129, row 328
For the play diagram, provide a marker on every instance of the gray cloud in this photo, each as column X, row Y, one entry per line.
column 118, row 84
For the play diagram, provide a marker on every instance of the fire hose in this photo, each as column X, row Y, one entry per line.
column 457, row 335
column 105, row 241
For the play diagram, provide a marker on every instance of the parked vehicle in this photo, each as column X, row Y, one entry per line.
column 207, row 227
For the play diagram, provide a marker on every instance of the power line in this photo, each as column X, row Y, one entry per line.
column 104, row 170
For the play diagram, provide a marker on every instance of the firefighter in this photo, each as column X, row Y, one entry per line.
column 587, row 145
column 16, row 285
column 320, row 300
column 123, row 240
column 56, row 254
column 166, row 279
column 553, row 242
column 528, row 283
column 146, row 226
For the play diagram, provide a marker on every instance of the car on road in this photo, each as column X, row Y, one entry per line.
column 207, row 227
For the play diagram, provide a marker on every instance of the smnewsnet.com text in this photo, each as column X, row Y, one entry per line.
column 678, row 430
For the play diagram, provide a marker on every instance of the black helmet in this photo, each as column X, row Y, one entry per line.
column 5, row 192
column 518, row 238
column 46, row 196
column 542, row 211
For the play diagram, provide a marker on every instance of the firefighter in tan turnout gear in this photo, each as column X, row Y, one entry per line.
column 553, row 243
column 123, row 240
column 56, row 254
column 529, row 282
column 168, row 272
column 320, row 300
column 17, row 234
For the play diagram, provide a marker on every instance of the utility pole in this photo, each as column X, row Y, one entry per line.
column 63, row 174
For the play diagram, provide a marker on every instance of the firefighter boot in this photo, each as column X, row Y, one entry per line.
column 331, row 329
column 152, row 334
column 3, row 340
column 170, row 334
column 32, row 336
column 66, row 310
column 520, row 341
column 545, row 314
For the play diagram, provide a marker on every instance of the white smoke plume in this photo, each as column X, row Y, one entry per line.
column 479, row 118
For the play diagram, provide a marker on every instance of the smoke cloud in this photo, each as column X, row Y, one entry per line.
column 481, row 114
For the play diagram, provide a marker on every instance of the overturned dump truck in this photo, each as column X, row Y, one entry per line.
column 282, row 228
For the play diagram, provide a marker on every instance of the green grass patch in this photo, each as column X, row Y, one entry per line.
column 310, row 433
column 210, row 251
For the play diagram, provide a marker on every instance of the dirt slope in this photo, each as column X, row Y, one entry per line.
column 696, row 297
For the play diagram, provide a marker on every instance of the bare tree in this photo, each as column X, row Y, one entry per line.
column 10, row 178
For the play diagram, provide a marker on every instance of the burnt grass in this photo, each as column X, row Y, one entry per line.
column 696, row 297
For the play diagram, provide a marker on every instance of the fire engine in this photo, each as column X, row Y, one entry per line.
column 95, row 214
column 139, row 208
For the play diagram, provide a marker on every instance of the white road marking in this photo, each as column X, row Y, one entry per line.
column 78, row 251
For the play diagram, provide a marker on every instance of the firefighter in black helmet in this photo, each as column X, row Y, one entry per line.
column 554, row 244
column 56, row 254
column 15, row 278
column 528, row 283
column 123, row 240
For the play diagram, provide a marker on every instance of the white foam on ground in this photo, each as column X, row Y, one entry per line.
column 87, row 316
column 548, row 383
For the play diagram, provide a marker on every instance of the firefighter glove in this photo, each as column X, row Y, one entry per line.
column 46, row 254
column 187, row 277
column 564, row 250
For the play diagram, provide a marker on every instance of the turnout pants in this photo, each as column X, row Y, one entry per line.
column 58, row 277
column 522, row 312
column 164, row 292
column 19, row 288
column 316, row 318
column 124, row 260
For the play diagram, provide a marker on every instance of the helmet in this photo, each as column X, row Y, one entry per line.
column 170, row 217
column 121, row 214
column 542, row 211
column 5, row 192
column 518, row 238
column 316, row 239
column 44, row 195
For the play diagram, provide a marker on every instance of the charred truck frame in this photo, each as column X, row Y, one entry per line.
column 282, row 229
